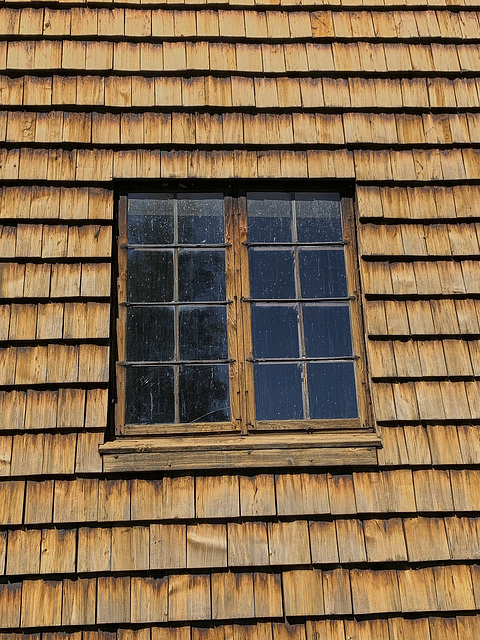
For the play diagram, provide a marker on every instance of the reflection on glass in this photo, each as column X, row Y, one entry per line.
column 150, row 218
column 150, row 276
column 149, row 395
column 278, row 391
column 327, row 330
column 269, row 217
column 272, row 273
column 150, row 333
column 204, row 395
column 200, row 218
column 318, row 217
column 331, row 387
column 322, row 273
column 275, row 331
column 203, row 333
column 201, row 275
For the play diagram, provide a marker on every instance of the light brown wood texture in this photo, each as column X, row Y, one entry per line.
column 133, row 56
column 391, row 491
column 382, row 97
column 303, row 591
column 120, row 91
column 231, row 22
column 105, row 165
column 241, row 128
column 317, row 451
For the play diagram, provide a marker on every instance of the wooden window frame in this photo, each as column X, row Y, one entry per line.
column 263, row 435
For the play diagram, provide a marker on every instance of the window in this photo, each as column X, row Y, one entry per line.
column 238, row 312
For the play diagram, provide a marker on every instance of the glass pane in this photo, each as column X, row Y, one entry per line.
column 278, row 391
column 204, row 395
column 331, row 389
column 327, row 330
column 272, row 273
column 150, row 276
column 318, row 217
column 150, row 333
column 201, row 275
column 322, row 273
column 269, row 217
column 203, row 333
column 149, row 395
column 200, row 218
column 150, row 218
column 275, row 331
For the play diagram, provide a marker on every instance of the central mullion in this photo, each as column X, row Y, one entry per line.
column 234, row 320
column 176, row 314
column 245, row 327
column 298, row 294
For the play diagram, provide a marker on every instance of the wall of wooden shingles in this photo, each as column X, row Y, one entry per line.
column 387, row 95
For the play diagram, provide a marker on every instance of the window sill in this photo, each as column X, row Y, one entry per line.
column 240, row 452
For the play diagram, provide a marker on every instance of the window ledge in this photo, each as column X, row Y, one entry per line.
column 240, row 452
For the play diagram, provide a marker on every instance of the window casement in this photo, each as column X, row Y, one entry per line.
column 239, row 326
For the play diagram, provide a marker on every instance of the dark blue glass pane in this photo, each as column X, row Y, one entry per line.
column 149, row 395
column 150, row 218
column 318, row 217
column 269, row 217
column 201, row 275
column 200, row 218
column 275, row 331
column 203, row 333
column 150, row 276
column 327, row 330
column 322, row 273
column 272, row 273
column 150, row 333
column 331, row 390
column 278, row 391
column 204, row 394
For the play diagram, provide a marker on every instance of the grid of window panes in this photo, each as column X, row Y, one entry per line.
column 301, row 329
column 176, row 326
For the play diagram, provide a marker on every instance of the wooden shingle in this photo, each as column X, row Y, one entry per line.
column 302, row 592
column 375, row 591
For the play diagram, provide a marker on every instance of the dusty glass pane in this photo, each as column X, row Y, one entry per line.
column 327, row 330
column 331, row 388
column 200, row 218
column 150, row 218
column 275, row 331
column 204, row 394
column 318, row 217
column 149, row 395
column 278, row 391
column 150, row 333
column 272, row 273
column 150, row 276
column 201, row 275
column 322, row 273
column 269, row 217
column 203, row 333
